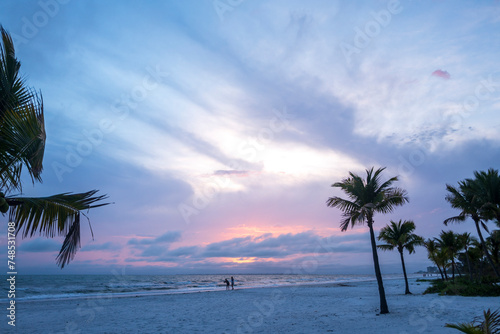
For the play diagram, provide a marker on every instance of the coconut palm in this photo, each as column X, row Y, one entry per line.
column 365, row 198
column 486, row 188
column 450, row 243
column 22, row 145
column 466, row 241
column 432, row 249
column 477, row 259
column 400, row 236
column 493, row 241
column 444, row 259
column 466, row 199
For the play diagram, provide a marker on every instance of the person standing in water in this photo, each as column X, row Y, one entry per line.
column 232, row 283
column 227, row 283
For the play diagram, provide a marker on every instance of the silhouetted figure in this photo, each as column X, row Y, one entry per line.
column 232, row 283
column 227, row 283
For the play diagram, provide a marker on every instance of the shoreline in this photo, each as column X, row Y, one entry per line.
column 175, row 291
column 331, row 307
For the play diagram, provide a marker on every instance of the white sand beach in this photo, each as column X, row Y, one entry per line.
column 333, row 308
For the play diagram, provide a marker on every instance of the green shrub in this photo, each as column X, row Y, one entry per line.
column 463, row 287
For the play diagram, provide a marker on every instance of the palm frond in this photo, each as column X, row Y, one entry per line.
column 54, row 215
column 342, row 204
column 50, row 215
column 23, row 142
column 22, row 130
column 490, row 323
column 468, row 328
column 344, row 224
column 70, row 245
column 457, row 219
column 386, row 247
column 13, row 91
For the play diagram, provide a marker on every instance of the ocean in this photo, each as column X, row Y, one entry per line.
column 53, row 287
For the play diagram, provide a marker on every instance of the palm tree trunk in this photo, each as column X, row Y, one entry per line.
column 407, row 290
column 485, row 250
column 468, row 264
column 453, row 269
column 496, row 253
column 383, row 303
column 440, row 271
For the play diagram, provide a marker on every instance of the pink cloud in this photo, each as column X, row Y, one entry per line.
column 441, row 74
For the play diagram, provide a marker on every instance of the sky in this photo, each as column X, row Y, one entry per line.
column 217, row 127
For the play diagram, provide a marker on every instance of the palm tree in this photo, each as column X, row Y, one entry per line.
column 22, row 145
column 466, row 240
column 438, row 256
column 400, row 235
column 477, row 258
column 489, row 325
column 449, row 242
column 493, row 241
column 432, row 254
column 366, row 197
column 465, row 198
column 486, row 188
column 444, row 259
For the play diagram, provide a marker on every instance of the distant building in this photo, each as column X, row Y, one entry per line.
column 432, row 269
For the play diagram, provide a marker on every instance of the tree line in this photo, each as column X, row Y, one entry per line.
column 477, row 199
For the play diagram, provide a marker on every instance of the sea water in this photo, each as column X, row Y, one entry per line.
column 51, row 287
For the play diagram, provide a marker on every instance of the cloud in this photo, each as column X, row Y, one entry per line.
column 40, row 245
column 266, row 247
column 168, row 237
column 184, row 251
column 107, row 246
column 441, row 74
column 154, row 250
column 231, row 172
column 215, row 110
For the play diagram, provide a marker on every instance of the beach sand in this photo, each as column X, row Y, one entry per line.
column 330, row 308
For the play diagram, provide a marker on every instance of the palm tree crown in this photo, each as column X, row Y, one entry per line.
column 400, row 235
column 22, row 146
column 366, row 197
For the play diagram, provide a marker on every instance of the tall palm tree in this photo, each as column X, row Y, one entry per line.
column 432, row 254
column 466, row 199
column 444, row 259
column 466, row 240
column 493, row 241
column 366, row 197
column 486, row 188
column 450, row 243
column 477, row 258
column 400, row 236
column 22, row 146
